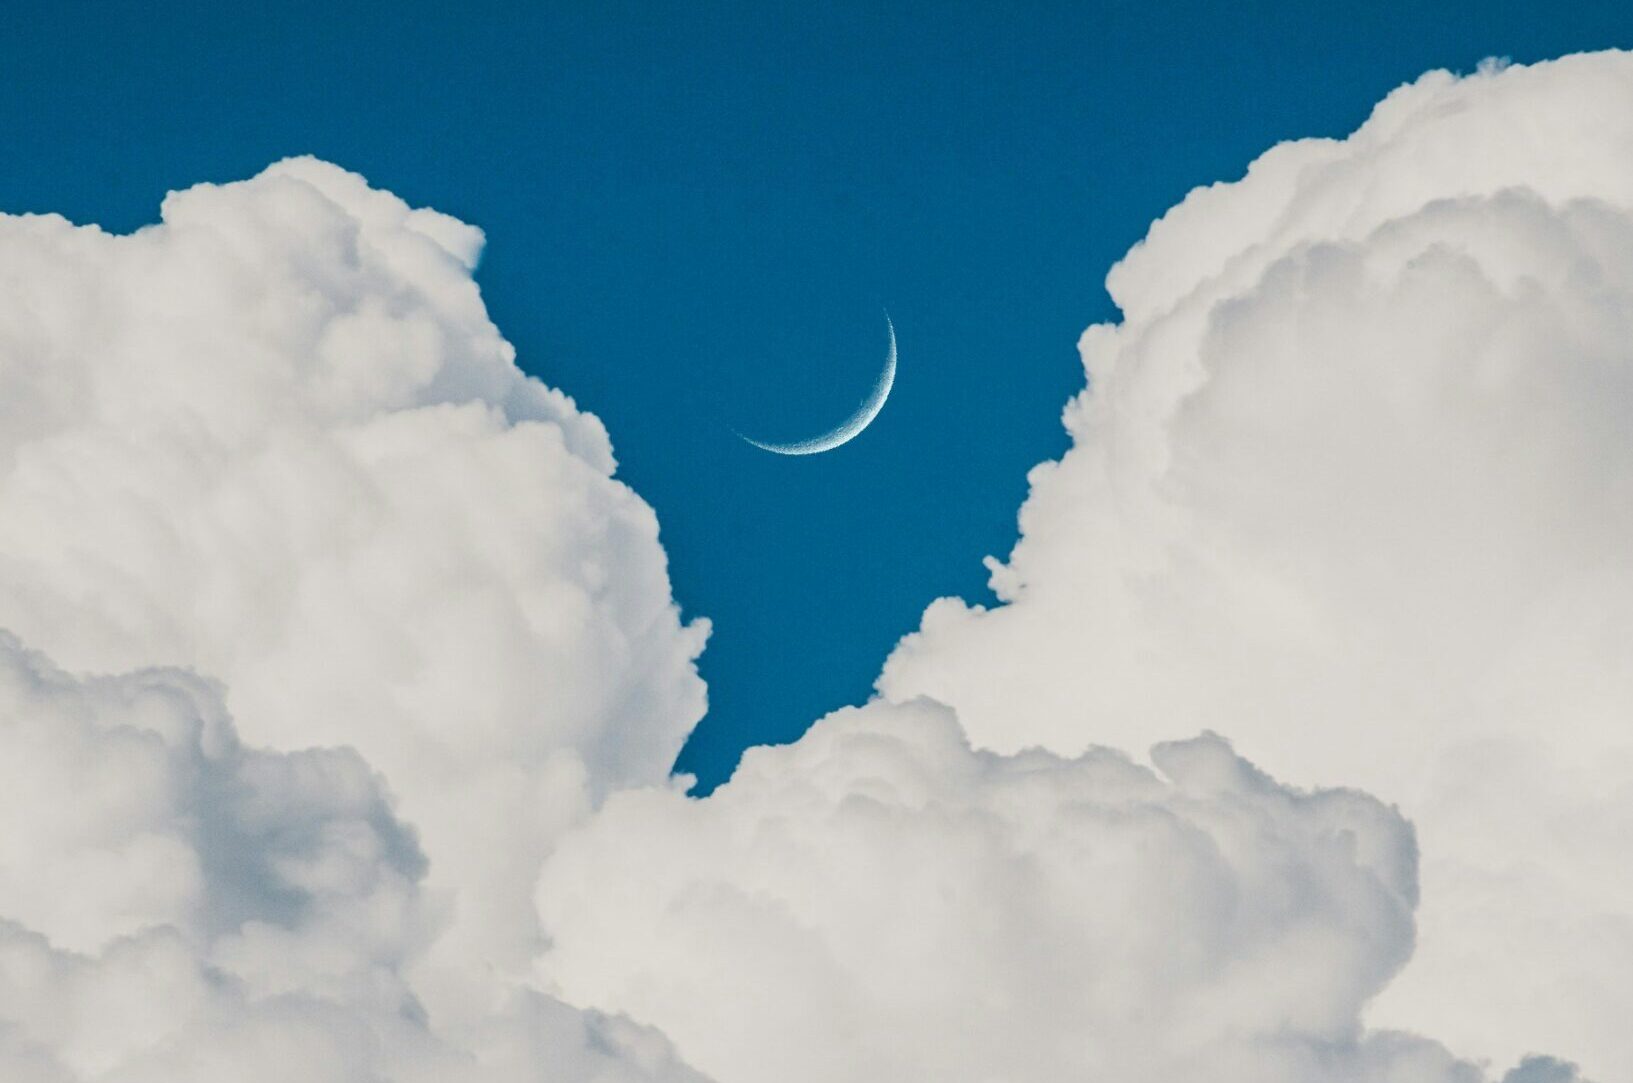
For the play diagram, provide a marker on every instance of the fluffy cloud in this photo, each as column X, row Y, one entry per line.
column 879, row 901
column 177, row 906
column 275, row 438
column 1353, row 483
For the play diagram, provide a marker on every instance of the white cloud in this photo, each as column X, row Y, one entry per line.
column 878, row 901
column 1352, row 482
column 179, row 907
column 275, row 438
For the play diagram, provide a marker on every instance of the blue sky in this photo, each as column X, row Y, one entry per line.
column 696, row 214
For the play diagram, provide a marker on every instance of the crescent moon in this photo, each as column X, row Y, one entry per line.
column 848, row 429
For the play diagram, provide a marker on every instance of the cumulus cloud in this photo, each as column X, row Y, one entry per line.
column 275, row 438
column 270, row 460
column 880, row 901
column 1353, row 483
column 177, row 906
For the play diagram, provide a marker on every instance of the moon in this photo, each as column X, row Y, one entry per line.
column 848, row 429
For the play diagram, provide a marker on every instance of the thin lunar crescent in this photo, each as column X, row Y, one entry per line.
column 848, row 429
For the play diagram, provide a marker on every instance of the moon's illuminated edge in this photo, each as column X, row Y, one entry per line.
column 848, row 429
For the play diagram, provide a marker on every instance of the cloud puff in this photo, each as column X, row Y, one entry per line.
column 276, row 439
column 1353, row 483
column 879, row 901
column 177, row 906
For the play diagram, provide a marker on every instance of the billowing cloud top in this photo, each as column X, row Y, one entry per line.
column 881, row 902
column 276, row 440
column 372, row 785
column 1353, row 483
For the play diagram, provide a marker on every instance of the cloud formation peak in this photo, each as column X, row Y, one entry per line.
column 1351, row 482
column 275, row 440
